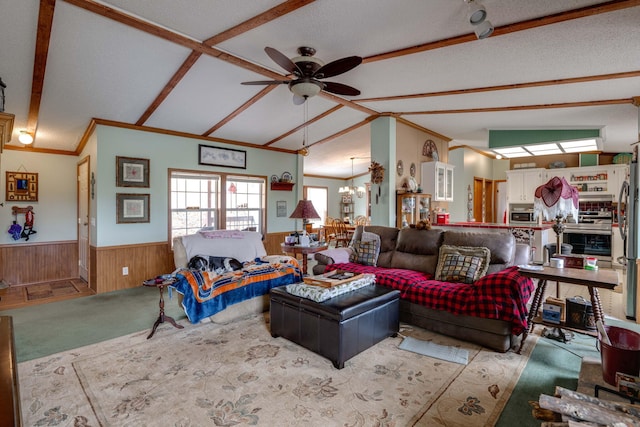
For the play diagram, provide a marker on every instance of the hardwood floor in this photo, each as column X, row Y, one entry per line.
column 42, row 293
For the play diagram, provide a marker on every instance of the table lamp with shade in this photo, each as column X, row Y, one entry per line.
column 304, row 211
column 556, row 200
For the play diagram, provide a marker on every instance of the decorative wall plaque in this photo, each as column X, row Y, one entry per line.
column 22, row 187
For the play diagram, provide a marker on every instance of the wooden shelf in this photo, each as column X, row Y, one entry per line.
column 282, row 186
column 6, row 128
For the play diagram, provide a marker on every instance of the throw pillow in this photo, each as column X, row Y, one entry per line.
column 365, row 253
column 459, row 268
column 481, row 252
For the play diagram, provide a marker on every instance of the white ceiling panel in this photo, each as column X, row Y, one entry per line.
column 100, row 67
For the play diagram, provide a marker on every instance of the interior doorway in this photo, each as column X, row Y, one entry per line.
column 83, row 218
column 484, row 196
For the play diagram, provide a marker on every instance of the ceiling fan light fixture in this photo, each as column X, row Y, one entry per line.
column 305, row 88
column 483, row 30
column 477, row 12
column 25, row 137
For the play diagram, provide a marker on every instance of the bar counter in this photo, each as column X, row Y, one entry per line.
column 497, row 225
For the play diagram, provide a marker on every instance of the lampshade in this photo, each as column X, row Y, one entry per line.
column 304, row 210
column 556, row 198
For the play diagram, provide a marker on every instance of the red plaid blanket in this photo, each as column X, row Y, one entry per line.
column 502, row 295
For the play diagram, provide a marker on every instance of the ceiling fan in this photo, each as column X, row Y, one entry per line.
column 308, row 71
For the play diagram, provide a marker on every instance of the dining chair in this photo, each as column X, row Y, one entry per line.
column 342, row 235
column 361, row 220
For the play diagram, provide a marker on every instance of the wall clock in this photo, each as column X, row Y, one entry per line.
column 430, row 149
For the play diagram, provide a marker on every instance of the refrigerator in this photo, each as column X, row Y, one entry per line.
column 629, row 225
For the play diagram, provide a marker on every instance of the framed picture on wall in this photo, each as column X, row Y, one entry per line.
column 281, row 208
column 216, row 156
column 21, row 187
column 132, row 172
column 132, row 208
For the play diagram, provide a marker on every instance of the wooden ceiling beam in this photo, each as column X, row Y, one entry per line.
column 523, row 107
column 553, row 82
column 240, row 109
column 258, row 20
column 168, row 88
column 43, row 37
column 269, row 15
column 179, row 39
column 344, row 131
column 582, row 12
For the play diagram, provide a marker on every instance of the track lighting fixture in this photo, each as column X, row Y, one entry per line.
column 478, row 18
column 483, row 30
column 477, row 12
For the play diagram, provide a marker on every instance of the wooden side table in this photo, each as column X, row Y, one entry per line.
column 160, row 284
column 294, row 250
column 593, row 280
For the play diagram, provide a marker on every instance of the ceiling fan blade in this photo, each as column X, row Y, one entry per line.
column 266, row 82
column 338, row 66
column 340, row 89
column 280, row 59
column 298, row 100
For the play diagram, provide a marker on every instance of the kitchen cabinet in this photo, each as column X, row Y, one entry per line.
column 598, row 180
column 412, row 208
column 437, row 180
column 522, row 184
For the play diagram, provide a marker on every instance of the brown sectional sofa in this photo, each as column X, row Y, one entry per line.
column 418, row 250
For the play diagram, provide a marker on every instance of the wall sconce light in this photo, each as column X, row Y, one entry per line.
column 25, row 137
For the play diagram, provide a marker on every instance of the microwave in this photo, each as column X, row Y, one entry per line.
column 521, row 216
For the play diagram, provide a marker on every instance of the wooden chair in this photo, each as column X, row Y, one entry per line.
column 361, row 220
column 329, row 232
column 342, row 235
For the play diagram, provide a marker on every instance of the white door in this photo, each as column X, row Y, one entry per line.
column 83, row 219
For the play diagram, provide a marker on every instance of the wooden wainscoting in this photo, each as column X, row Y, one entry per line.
column 272, row 242
column 144, row 261
column 27, row 263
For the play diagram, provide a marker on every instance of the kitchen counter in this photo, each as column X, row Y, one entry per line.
column 497, row 225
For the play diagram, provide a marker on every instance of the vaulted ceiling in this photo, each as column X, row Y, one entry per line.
column 177, row 65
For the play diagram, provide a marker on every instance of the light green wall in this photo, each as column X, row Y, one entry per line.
column 55, row 215
column 383, row 151
column 164, row 152
column 511, row 137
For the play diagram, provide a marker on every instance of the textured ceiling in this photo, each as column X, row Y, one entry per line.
column 111, row 60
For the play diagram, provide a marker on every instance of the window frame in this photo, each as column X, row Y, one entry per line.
column 220, row 213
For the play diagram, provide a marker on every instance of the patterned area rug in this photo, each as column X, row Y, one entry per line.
column 227, row 375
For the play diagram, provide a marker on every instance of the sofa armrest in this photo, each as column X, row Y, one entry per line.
column 330, row 256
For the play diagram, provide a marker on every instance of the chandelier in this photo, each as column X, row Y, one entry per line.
column 352, row 189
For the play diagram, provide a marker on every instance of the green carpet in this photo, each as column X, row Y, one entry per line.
column 50, row 328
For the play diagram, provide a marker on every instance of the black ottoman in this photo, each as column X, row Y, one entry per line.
column 340, row 327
